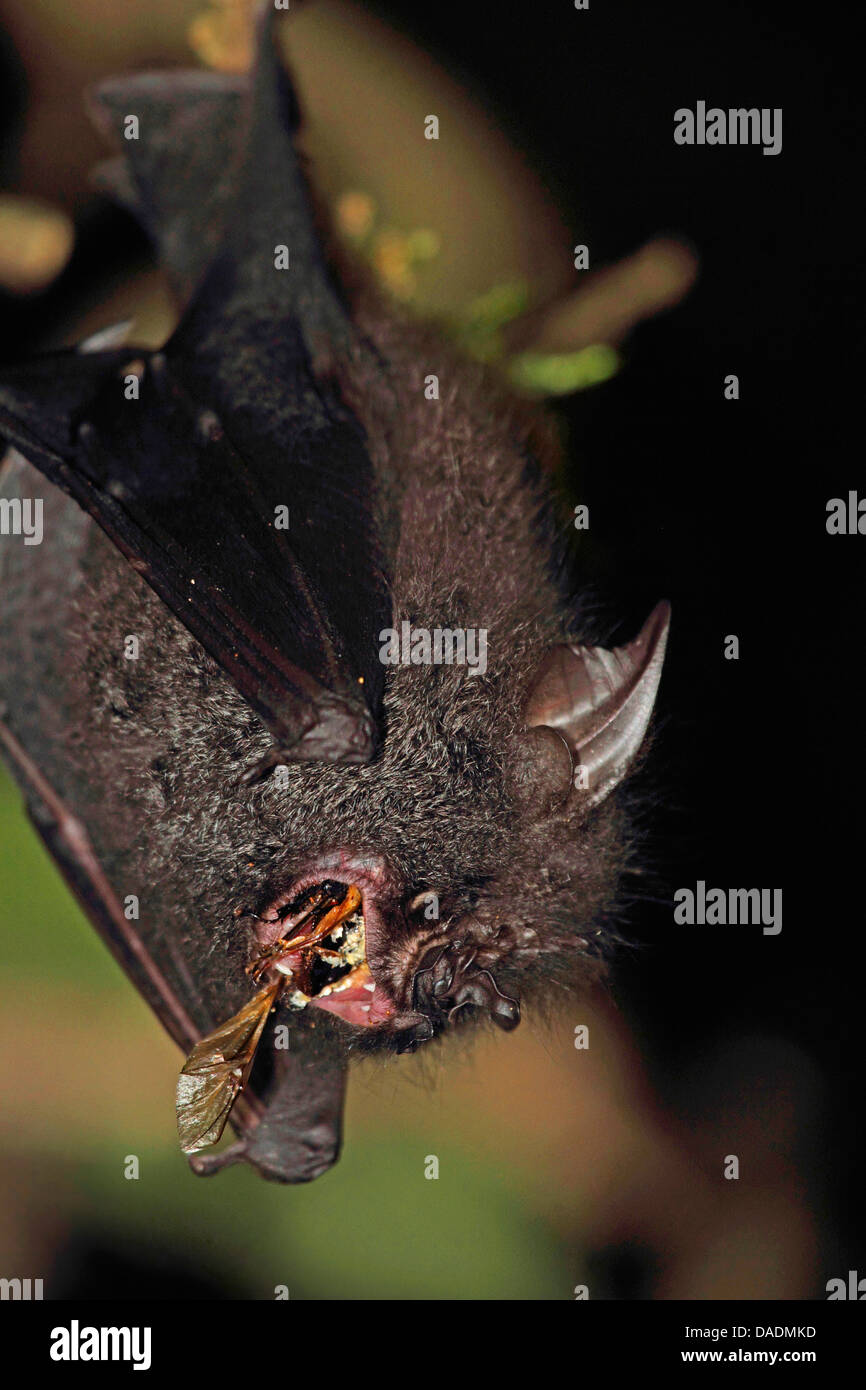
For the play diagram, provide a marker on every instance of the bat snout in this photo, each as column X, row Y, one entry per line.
column 453, row 976
column 374, row 960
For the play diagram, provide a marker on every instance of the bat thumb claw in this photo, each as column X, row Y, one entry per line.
column 205, row 1165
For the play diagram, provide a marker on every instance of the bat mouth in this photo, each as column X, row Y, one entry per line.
column 362, row 961
column 335, row 972
column 344, row 985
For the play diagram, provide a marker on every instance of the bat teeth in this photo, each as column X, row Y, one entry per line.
column 322, row 950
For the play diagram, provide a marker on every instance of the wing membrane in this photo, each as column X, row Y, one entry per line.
column 217, row 1070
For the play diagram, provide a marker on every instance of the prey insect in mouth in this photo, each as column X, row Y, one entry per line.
column 446, row 842
column 324, row 959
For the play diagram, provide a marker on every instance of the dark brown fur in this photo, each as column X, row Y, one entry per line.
column 467, row 518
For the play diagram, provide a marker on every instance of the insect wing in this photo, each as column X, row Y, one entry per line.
column 217, row 1069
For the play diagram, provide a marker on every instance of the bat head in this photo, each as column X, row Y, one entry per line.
column 479, row 869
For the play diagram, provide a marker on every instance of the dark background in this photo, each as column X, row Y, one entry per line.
column 720, row 505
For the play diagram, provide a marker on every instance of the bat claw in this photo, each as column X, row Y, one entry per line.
column 264, row 767
column 205, row 1165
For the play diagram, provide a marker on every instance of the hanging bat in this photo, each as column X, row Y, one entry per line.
column 285, row 827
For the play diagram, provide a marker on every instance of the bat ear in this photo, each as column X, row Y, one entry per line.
column 597, row 704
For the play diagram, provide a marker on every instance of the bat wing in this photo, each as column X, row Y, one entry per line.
column 226, row 468
column 258, row 545
column 178, row 174
column 289, row 1120
column 230, row 474
column 196, row 142
column 67, row 841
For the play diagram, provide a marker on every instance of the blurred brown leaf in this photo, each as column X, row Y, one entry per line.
column 36, row 242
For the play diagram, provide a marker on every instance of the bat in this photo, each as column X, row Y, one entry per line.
column 283, row 825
